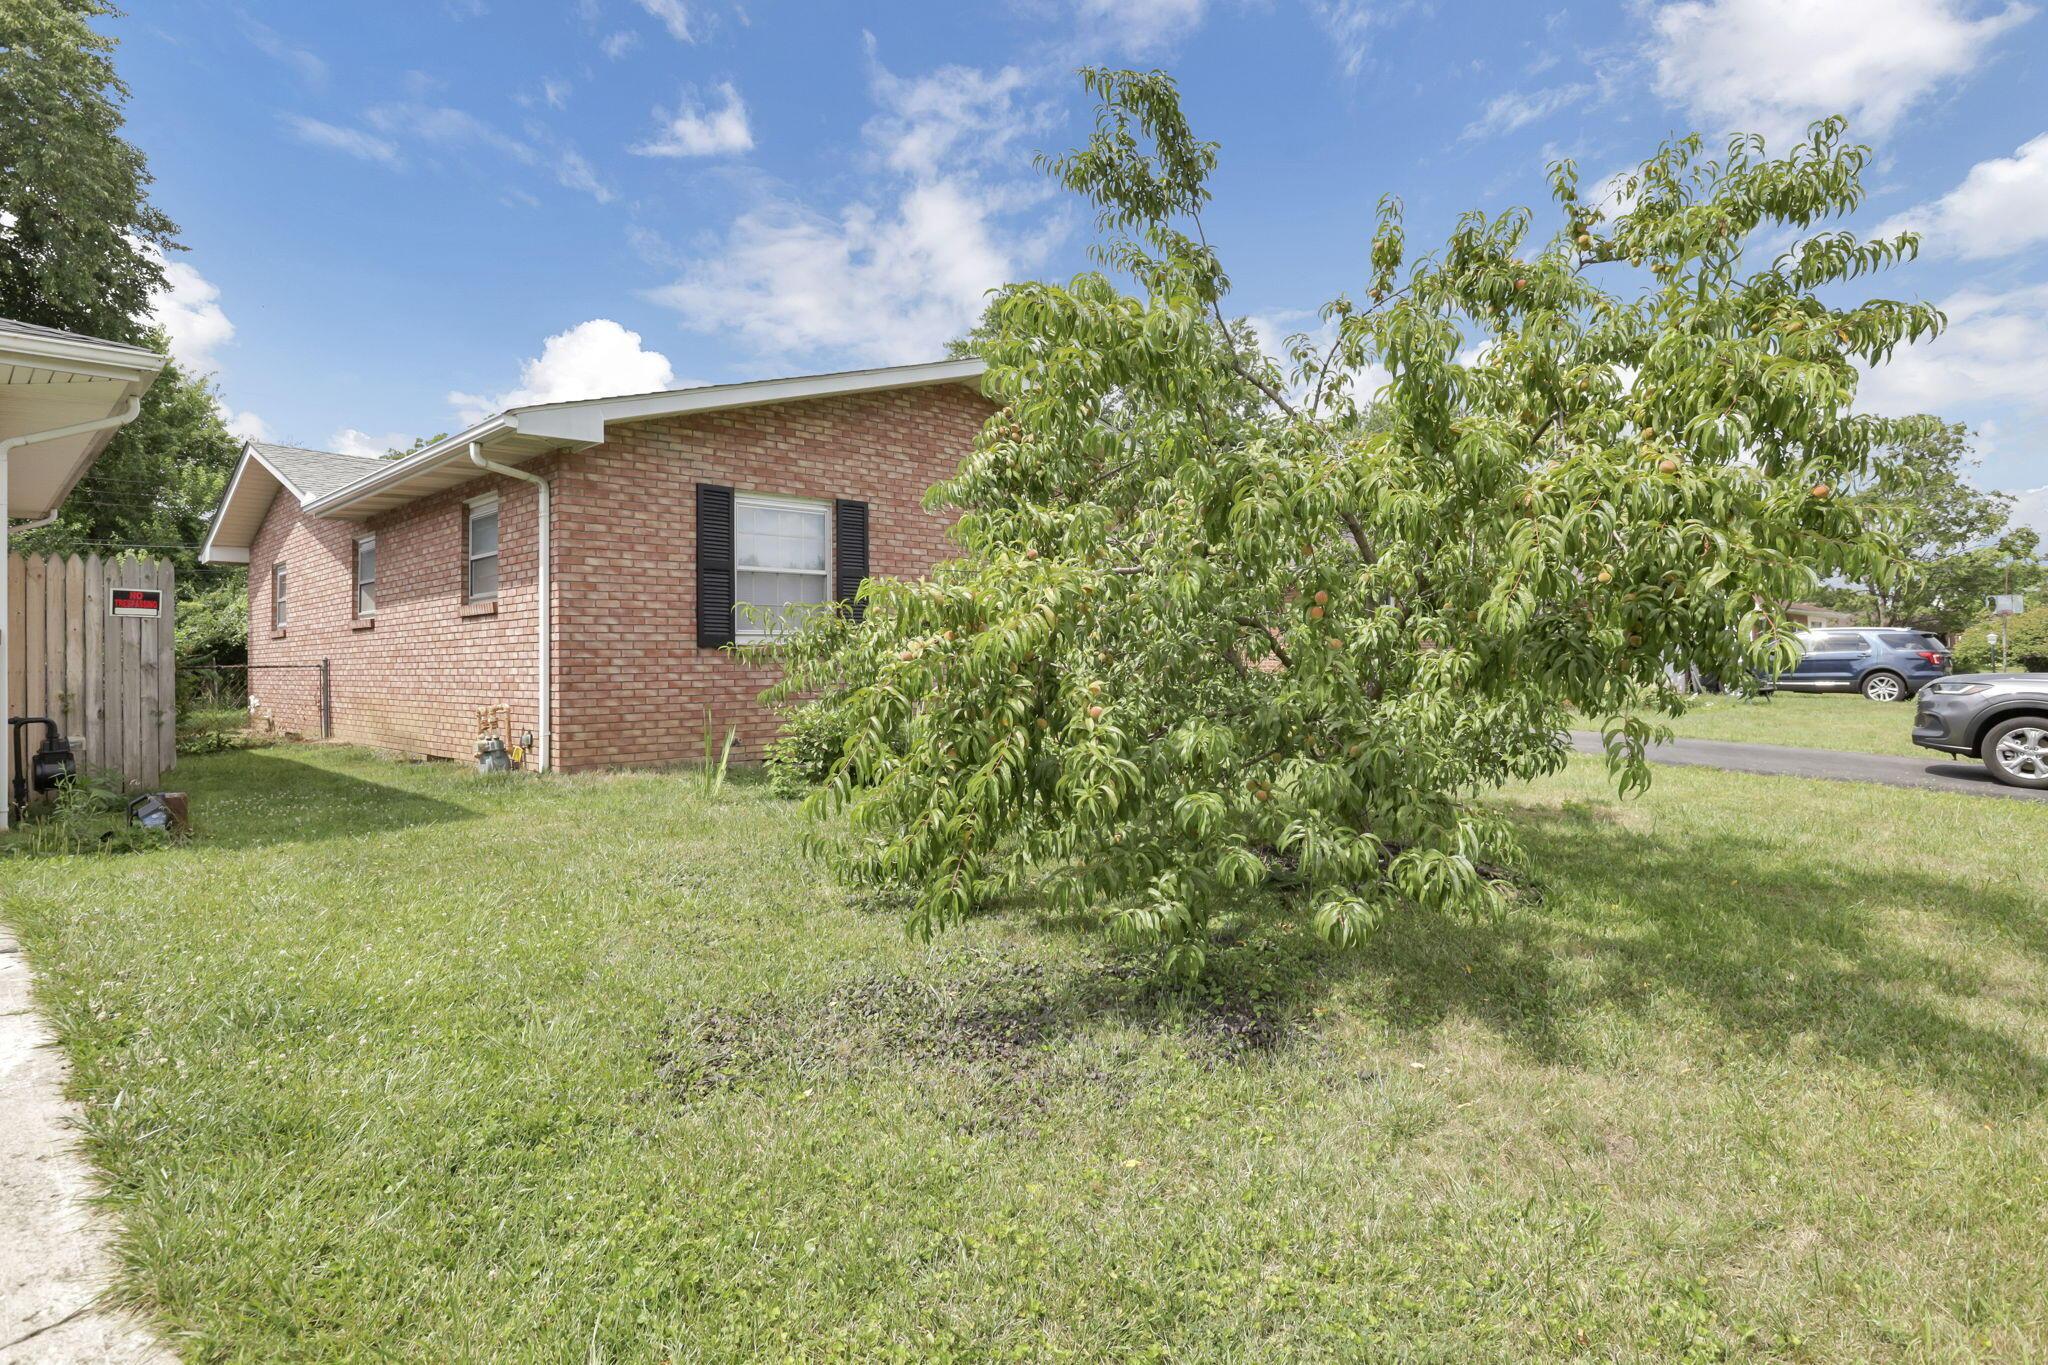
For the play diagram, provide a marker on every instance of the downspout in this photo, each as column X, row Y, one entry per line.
column 7, row 529
column 544, row 610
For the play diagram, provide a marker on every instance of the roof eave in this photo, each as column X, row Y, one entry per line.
column 581, row 423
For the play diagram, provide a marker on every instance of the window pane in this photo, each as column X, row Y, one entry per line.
column 483, row 577
column 366, row 562
column 483, row 532
column 366, row 601
column 779, row 537
column 773, row 602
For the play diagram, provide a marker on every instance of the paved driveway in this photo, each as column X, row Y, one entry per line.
column 1933, row 773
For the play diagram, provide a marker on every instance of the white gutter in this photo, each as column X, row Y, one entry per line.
column 7, row 529
column 544, row 609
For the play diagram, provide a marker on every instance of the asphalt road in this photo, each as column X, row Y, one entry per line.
column 1933, row 773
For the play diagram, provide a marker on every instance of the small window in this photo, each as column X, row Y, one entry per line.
column 782, row 550
column 482, row 542
column 1902, row 639
column 366, row 576
column 277, row 612
column 1837, row 642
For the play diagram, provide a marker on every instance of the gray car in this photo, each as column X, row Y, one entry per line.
column 1999, row 717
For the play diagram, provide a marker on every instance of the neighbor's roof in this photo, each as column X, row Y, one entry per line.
column 51, row 379
column 260, row 474
column 519, row 434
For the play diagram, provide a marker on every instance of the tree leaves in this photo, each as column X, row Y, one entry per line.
column 1218, row 625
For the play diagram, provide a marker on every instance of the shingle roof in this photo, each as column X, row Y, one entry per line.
column 314, row 473
column 35, row 329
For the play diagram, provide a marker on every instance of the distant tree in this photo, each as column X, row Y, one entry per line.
column 1216, row 625
column 81, row 247
column 1957, row 540
column 419, row 443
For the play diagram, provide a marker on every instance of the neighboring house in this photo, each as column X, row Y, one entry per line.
column 62, row 397
column 1813, row 615
column 417, row 579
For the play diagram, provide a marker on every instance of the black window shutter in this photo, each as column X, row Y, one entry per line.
column 850, row 543
column 714, row 566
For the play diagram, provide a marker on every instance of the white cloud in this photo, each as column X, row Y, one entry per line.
column 1994, row 351
column 2030, row 508
column 694, row 130
column 1139, row 26
column 188, row 308
column 2001, row 207
column 674, row 16
column 245, row 426
column 353, row 141
column 594, row 359
column 1350, row 25
column 349, row 441
column 1772, row 66
column 899, row 271
column 271, row 44
column 555, row 93
column 1515, row 109
column 458, row 130
column 957, row 114
column 618, row 44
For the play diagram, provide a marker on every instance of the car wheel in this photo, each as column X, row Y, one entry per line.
column 1884, row 687
column 2016, row 752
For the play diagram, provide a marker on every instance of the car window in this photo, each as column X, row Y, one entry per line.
column 1901, row 639
column 1835, row 642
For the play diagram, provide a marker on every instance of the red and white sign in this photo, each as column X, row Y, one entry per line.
column 144, row 602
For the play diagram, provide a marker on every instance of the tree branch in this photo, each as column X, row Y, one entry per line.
column 1272, row 637
column 1365, row 550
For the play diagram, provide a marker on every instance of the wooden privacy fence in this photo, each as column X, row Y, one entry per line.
column 109, row 681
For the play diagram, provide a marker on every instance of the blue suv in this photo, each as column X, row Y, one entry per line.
column 1884, row 665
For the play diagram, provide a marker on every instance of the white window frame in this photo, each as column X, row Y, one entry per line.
column 472, row 509
column 280, row 582
column 356, row 577
column 750, row 632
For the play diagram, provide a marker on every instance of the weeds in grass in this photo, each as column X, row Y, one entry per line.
column 86, row 814
column 716, row 758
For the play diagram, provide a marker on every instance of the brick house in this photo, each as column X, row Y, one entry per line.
column 659, row 528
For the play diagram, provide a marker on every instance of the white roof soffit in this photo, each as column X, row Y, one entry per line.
column 520, row 434
column 250, row 492
column 51, row 379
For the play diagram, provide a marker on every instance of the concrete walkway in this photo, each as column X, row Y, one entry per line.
column 1933, row 773
column 53, row 1260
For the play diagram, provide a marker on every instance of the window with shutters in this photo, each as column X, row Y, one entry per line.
column 481, row 550
column 782, row 558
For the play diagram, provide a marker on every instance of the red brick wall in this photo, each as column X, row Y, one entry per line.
column 413, row 678
column 634, row 687
column 631, row 686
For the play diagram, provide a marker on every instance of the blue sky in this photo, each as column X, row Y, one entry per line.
column 404, row 215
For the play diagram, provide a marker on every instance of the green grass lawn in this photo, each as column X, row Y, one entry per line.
column 1806, row 720
column 396, row 1062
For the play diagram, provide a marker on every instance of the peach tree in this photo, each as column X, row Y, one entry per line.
column 1221, row 620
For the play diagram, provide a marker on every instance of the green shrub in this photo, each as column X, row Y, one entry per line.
column 813, row 736
column 2027, row 651
column 213, row 643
